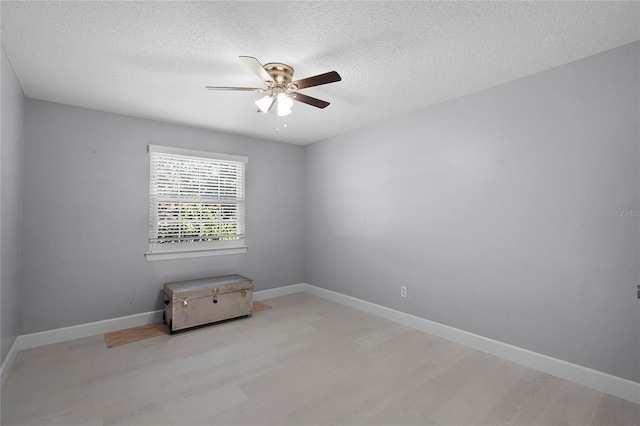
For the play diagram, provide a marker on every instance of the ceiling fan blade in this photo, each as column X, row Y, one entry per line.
column 243, row 89
column 318, row 103
column 317, row 80
column 257, row 68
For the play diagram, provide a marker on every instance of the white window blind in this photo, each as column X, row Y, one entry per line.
column 197, row 200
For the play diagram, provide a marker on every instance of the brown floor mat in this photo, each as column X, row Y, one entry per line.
column 134, row 334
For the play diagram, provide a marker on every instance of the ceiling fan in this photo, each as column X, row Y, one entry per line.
column 278, row 78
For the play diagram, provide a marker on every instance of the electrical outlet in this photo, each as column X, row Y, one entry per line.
column 403, row 291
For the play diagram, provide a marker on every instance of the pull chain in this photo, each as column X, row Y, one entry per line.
column 278, row 123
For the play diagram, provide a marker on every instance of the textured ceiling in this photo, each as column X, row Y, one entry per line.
column 153, row 59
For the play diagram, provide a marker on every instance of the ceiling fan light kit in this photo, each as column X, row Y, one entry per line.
column 280, row 87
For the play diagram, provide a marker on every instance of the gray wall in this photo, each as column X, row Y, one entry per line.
column 85, row 225
column 492, row 209
column 11, row 156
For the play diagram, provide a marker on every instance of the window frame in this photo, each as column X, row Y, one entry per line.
column 183, row 250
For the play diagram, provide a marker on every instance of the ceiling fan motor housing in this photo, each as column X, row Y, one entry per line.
column 282, row 74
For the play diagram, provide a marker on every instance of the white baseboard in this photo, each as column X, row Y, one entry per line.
column 28, row 341
column 277, row 292
column 594, row 379
column 8, row 362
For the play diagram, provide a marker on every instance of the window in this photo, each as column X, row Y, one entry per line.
column 196, row 203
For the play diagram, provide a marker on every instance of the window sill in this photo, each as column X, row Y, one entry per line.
column 170, row 255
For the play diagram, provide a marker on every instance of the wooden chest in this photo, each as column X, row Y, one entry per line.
column 196, row 302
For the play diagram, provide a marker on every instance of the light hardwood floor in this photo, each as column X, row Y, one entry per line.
column 307, row 361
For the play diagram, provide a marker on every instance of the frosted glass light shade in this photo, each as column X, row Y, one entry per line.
column 284, row 105
column 264, row 103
